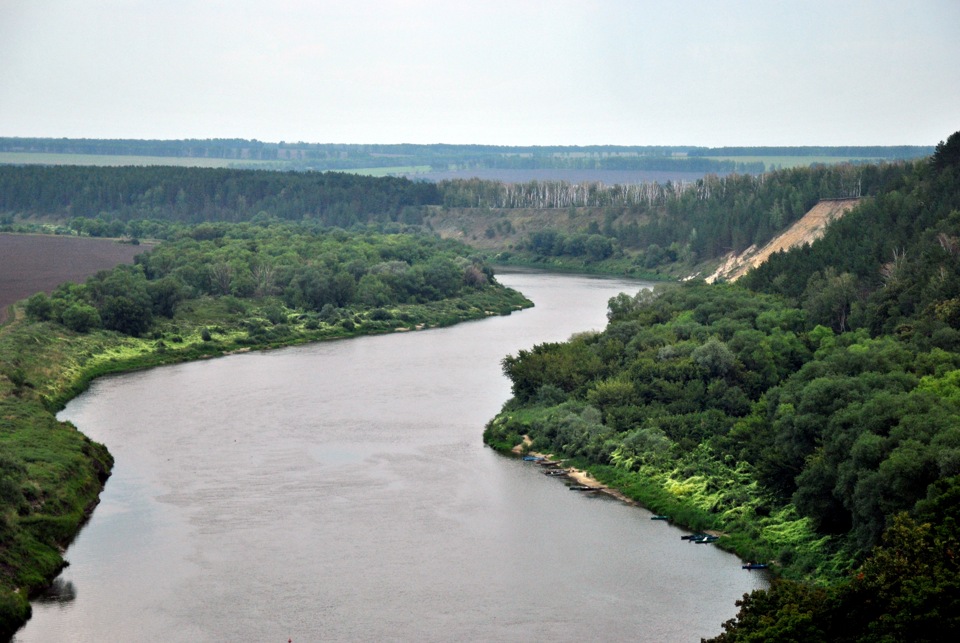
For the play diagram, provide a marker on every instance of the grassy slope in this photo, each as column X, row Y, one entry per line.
column 51, row 474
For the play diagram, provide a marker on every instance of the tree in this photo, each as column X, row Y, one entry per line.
column 829, row 297
column 947, row 154
column 80, row 317
column 123, row 300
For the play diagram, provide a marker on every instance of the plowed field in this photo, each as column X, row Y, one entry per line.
column 33, row 263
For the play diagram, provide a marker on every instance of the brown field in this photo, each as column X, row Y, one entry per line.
column 33, row 263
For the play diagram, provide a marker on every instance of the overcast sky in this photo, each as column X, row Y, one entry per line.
column 513, row 72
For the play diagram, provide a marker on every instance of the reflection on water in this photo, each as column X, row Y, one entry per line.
column 341, row 491
column 60, row 591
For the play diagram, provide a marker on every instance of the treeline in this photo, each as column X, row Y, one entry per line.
column 339, row 156
column 873, row 152
column 203, row 194
column 819, row 429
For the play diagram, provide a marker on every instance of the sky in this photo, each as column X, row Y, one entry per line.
column 514, row 72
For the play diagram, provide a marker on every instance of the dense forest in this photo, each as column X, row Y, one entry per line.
column 810, row 415
column 209, row 289
column 192, row 195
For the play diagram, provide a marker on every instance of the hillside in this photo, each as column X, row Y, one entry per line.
column 808, row 414
column 807, row 230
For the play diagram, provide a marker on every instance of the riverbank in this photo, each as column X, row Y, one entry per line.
column 583, row 478
column 698, row 493
column 51, row 474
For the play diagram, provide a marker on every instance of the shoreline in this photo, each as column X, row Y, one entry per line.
column 581, row 477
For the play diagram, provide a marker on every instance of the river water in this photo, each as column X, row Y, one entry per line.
column 341, row 492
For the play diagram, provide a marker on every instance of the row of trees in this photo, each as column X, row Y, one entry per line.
column 335, row 156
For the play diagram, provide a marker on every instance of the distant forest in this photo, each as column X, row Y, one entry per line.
column 332, row 156
column 650, row 224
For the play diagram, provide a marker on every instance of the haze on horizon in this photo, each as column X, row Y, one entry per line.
column 523, row 72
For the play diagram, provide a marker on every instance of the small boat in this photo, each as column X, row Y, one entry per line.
column 660, row 517
column 555, row 472
column 706, row 540
column 533, row 458
column 750, row 566
column 582, row 487
column 692, row 536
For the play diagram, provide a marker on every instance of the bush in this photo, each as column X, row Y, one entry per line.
column 39, row 307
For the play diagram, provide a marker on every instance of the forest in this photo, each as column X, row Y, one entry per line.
column 634, row 229
column 209, row 289
column 809, row 414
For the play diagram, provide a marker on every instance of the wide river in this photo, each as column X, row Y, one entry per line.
column 341, row 492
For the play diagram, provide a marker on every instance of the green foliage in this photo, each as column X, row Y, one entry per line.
column 818, row 431
column 80, row 317
column 101, row 200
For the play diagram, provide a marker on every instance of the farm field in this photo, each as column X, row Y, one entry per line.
column 108, row 160
column 32, row 263
column 786, row 162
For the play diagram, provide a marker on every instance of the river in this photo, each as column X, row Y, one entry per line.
column 341, row 492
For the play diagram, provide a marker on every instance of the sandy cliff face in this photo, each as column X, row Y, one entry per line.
column 807, row 230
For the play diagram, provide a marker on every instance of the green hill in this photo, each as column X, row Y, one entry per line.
column 810, row 414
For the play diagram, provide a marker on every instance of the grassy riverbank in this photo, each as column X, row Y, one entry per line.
column 51, row 474
column 700, row 494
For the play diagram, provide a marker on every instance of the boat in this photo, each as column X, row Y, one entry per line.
column 696, row 536
column 750, row 566
column 659, row 517
column 555, row 472
column 533, row 458
column 582, row 487
column 706, row 540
